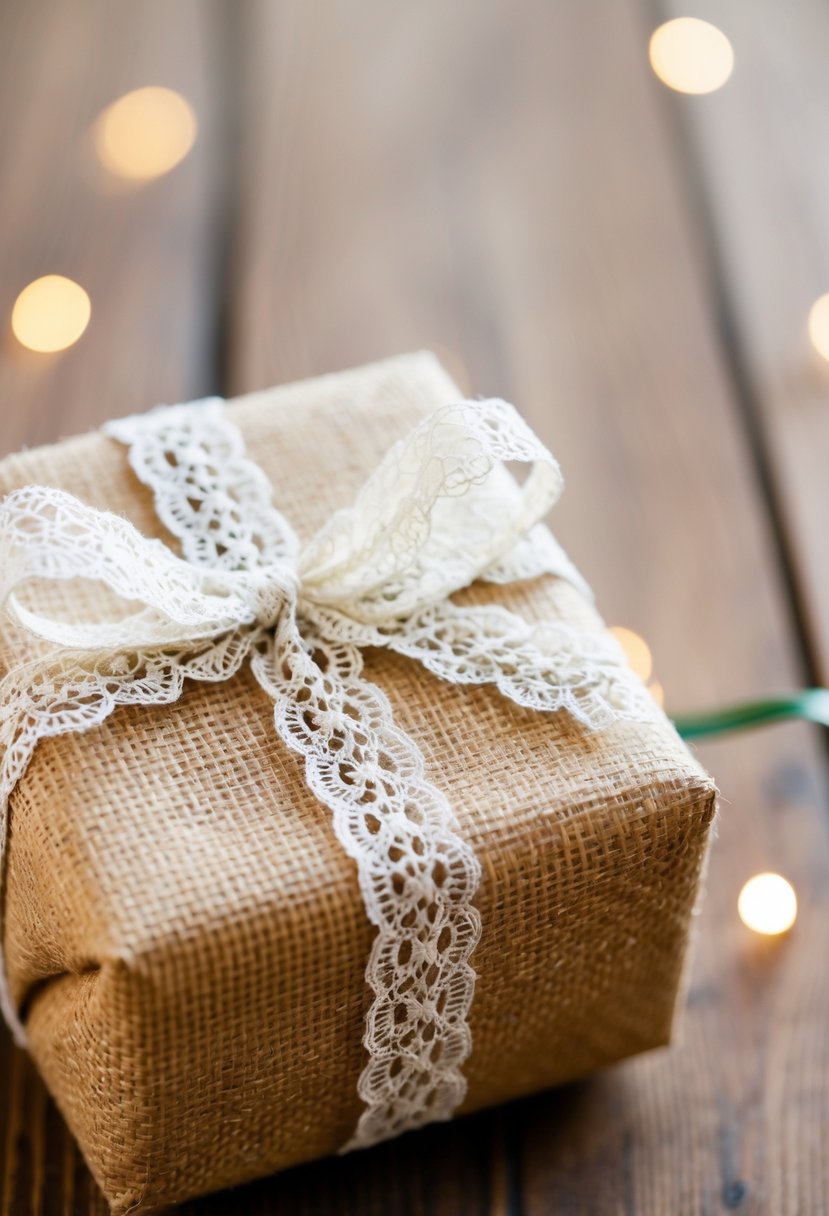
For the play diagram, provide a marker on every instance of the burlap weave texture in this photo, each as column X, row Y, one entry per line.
column 184, row 933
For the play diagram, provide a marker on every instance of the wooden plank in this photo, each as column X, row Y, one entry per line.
column 144, row 254
column 145, row 257
column 506, row 187
column 465, row 1177
column 759, row 150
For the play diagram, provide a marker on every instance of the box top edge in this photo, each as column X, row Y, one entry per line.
column 412, row 362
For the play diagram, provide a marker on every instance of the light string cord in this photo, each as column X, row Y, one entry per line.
column 808, row 704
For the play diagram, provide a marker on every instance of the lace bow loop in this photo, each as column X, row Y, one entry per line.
column 47, row 535
column 439, row 511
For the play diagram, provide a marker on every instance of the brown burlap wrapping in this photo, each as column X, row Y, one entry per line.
column 187, row 938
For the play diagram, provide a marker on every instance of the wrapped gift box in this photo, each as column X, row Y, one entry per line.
column 185, row 939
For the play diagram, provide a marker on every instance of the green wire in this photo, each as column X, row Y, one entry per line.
column 811, row 704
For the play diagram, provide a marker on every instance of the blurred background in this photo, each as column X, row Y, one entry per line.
column 622, row 227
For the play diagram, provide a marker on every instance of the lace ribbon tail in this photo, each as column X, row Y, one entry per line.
column 12, row 768
column 546, row 666
column 76, row 691
column 417, row 877
column 32, row 710
column 207, row 492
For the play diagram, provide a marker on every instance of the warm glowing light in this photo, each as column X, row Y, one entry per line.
column 51, row 313
column 637, row 651
column 657, row 692
column 145, row 133
column 768, row 904
column 819, row 325
column 690, row 55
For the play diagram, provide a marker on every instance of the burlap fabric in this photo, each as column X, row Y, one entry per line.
column 188, row 940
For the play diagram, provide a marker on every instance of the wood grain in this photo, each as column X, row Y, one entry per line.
column 760, row 144
column 508, row 185
column 146, row 255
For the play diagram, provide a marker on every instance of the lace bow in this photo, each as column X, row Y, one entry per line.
column 439, row 512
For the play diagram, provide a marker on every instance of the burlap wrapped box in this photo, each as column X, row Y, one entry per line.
column 185, row 938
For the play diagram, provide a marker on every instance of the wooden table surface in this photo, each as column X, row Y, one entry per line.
column 509, row 184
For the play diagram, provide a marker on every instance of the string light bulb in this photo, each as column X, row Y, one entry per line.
column 690, row 55
column 657, row 692
column 637, row 651
column 145, row 133
column 819, row 325
column 768, row 904
column 50, row 314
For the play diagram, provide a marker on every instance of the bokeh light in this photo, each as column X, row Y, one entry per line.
column 51, row 313
column 768, row 904
column 690, row 55
column 146, row 133
column 819, row 325
column 637, row 651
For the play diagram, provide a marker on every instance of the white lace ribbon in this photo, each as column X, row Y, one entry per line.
column 440, row 511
